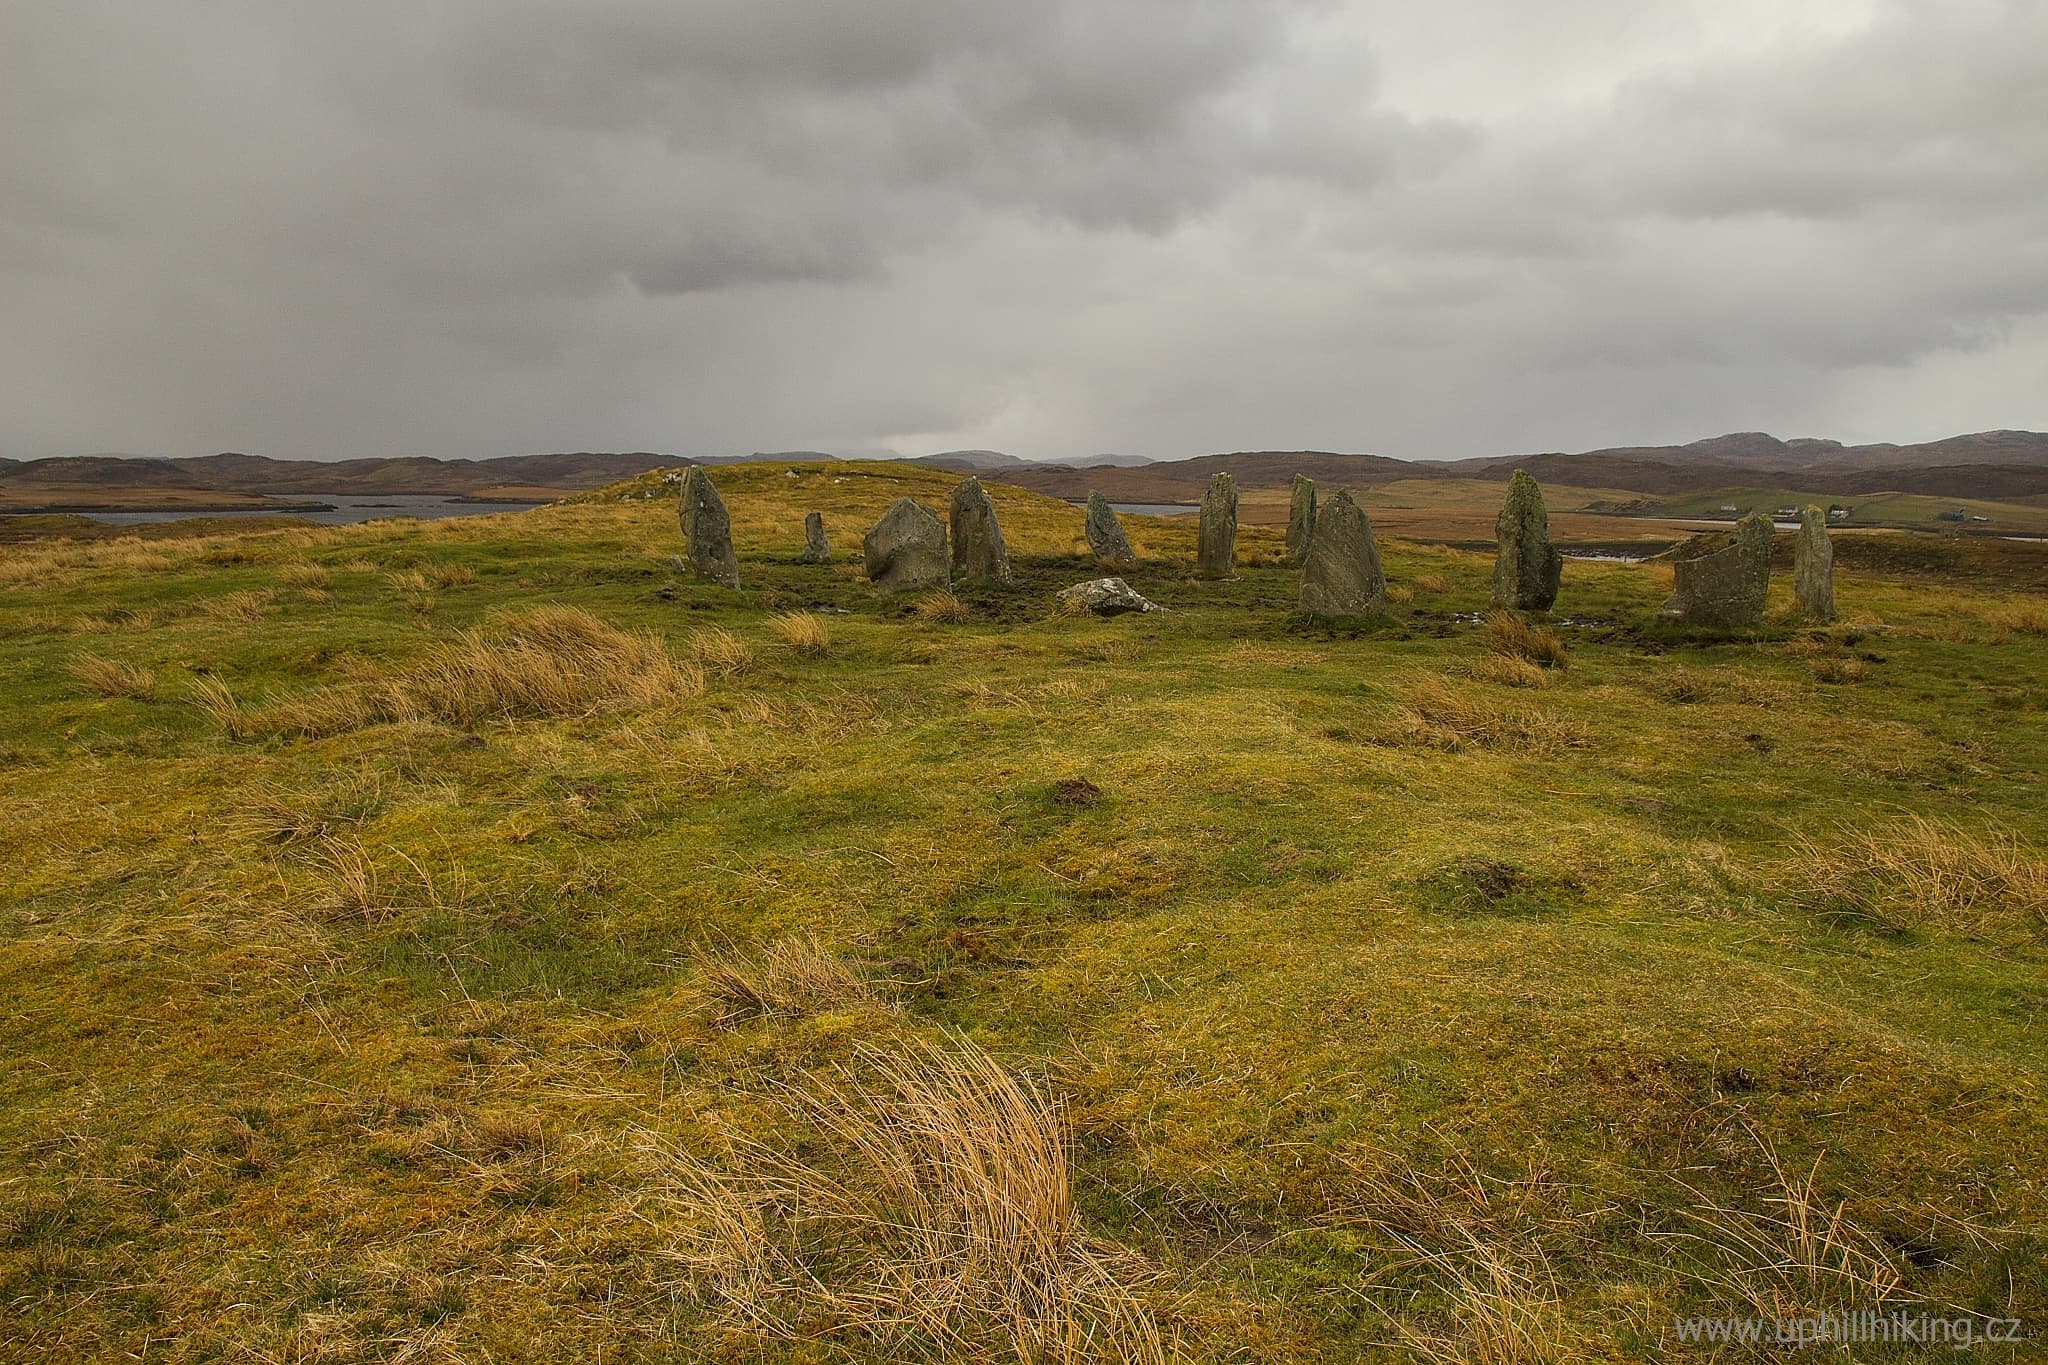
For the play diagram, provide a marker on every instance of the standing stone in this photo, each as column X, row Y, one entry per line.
column 1216, row 551
column 1813, row 566
column 907, row 548
column 1527, row 571
column 1301, row 518
column 707, row 530
column 1106, row 534
column 978, row 549
column 1341, row 575
column 1725, row 586
column 816, row 551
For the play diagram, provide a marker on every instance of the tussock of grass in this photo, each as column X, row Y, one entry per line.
column 1837, row 668
column 1914, row 873
column 1432, row 582
column 1506, row 671
column 302, row 573
column 1797, row 1256
column 1441, row 713
column 237, row 606
column 1509, row 636
column 789, row 979
column 547, row 661
column 543, row 662
column 1482, row 1242
column 939, row 608
column 934, row 1214
column 805, row 632
column 722, row 651
column 1400, row 594
column 112, row 678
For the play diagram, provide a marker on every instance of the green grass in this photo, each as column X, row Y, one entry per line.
column 1393, row 1010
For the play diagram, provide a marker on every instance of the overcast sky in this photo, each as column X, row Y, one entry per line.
column 1425, row 228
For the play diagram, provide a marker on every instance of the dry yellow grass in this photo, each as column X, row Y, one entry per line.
column 303, row 573
column 1511, row 637
column 940, row 608
column 1798, row 1255
column 1914, row 873
column 1441, row 713
column 805, row 632
column 544, row 662
column 789, row 979
column 112, row 678
column 237, row 606
column 933, row 1214
column 1507, row 671
column 722, row 651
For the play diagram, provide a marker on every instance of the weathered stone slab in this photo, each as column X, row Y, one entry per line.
column 707, row 530
column 1106, row 534
column 1724, row 586
column 1341, row 575
column 1528, row 569
column 1813, row 566
column 906, row 549
column 1105, row 597
column 1216, row 547
column 816, row 551
column 1301, row 518
column 978, row 549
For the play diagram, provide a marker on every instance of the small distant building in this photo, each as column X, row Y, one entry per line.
column 1730, row 508
column 1837, row 512
column 1952, row 514
column 1786, row 513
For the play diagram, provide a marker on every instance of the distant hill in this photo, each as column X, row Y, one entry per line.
column 1990, row 464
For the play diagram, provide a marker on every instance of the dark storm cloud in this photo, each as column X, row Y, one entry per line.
column 461, row 227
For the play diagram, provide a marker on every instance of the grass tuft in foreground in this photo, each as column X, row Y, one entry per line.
column 934, row 1214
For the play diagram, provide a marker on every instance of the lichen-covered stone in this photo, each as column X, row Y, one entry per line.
column 906, row 549
column 1813, row 566
column 1528, row 568
column 707, row 530
column 978, row 549
column 1301, row 518
column 1105, row 597
column 1341, row 574
column 1724, row 586
column 1106, row 534
column 816, row 551
column 1216, row 547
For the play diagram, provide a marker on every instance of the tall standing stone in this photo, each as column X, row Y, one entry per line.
column 1216, row 548
column 707, row 530
column 978, row 549
column 1301, row 518
column 1106, row 534
column 1727, row 586
column 1341, row 575
column 1527, row 571
column 816, row 551
column 906, row 549
column 1813, row 566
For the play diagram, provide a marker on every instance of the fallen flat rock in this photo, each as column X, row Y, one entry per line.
column 1106, row 533
column 707, row 530
column 906, row 549
column 1341, row 575
column 1105, row 597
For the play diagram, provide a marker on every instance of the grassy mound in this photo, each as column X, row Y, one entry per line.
column 477, row 939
